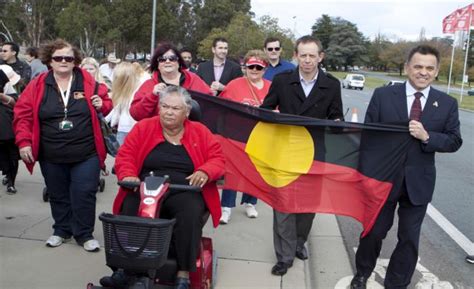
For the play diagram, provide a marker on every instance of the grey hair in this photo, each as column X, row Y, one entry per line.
column 178, row 90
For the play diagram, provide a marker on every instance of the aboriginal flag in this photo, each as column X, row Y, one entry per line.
column 299, row 164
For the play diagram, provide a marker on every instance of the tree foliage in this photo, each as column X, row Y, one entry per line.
column 244, row 34
column 344, row 44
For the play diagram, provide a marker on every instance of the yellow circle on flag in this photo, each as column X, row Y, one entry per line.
column 280, row 153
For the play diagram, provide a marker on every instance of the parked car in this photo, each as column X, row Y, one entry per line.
column 394, row 82
column 355, row 81
column 470, row 91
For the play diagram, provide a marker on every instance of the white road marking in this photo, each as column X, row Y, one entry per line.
column 428, row 280
column 451, row 230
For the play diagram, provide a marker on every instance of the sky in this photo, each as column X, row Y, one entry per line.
column 402, row 19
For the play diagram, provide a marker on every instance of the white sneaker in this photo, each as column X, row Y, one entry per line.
column 251, row 211
column 225, row 218
column 91, row 245
column 55, row 241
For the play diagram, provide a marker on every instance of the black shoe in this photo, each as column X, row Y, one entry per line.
column 359, row 282
column 301, row 253
column 11, row 190
column 470, row 259
column 280, row 268
column 5, row 181
column 182, row 283
column 118, row 280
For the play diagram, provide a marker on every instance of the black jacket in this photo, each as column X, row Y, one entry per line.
column 231, row 71
column 323, row 102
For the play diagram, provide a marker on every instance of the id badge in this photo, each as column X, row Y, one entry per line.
column 66, row 125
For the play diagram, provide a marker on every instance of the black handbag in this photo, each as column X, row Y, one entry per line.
column 110, row 138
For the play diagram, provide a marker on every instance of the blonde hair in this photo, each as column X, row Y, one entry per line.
column 126, row 80
column 257, row 53
column 91, row 61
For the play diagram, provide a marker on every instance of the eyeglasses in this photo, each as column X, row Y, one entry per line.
column 254, row 66
column 273, row 48
column 172, row 58
column 61, row 58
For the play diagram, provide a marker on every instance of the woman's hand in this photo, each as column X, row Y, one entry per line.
column 26, row 154
column 198, row 178
column 131, row 179
column 96, row 102
column 158, row 88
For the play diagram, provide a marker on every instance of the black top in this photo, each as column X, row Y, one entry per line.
column 65, row 146
column 6, row 120
column 182, row 78
column 168, row 159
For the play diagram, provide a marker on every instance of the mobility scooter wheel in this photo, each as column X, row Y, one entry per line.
column 45, row 194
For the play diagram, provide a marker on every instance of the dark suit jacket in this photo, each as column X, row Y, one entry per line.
column 324, row 100
column 231, row 71
column 440, row 119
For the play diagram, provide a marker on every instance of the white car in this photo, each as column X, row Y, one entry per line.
column 394, row 82
column 355, row 81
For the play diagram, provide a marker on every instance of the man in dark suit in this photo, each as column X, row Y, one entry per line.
column 219, row 71
column 305, row 91
column 434, row 125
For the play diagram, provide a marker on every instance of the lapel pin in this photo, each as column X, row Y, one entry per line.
column 435, row 104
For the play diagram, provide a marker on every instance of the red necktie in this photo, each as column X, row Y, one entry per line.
column 415, row 112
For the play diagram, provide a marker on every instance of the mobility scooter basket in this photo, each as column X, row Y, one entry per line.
column 134, row 243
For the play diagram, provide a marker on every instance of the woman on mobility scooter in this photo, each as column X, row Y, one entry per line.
column 186, row 151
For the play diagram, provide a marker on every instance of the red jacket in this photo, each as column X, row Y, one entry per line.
column 201, row 145
column 26, row 123
column 145, row 103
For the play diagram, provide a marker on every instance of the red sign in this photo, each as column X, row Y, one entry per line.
column 459, row 20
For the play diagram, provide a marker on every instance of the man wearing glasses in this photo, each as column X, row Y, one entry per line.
column 273, row 50
column 9, row 55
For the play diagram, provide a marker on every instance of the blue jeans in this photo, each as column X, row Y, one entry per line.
column 121, row 137
column 229, row 196
column 72, row 192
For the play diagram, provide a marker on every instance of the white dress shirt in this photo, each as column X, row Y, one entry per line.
column 410, row 91
column 308, row 85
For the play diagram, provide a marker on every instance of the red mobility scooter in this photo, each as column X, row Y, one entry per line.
column 138, row 246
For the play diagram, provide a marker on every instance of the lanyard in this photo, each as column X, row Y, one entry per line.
column 65, row 95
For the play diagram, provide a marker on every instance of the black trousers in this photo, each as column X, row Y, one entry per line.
column 405, row 256
column 188, row 208
column 9, row 157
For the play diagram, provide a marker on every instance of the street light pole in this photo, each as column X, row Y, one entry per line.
column 153, row 24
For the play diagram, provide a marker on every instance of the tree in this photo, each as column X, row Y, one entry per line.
column 30, row 21
column 458, row 66
column 346, row 44
column 84, row 24
column 323, row 29
column 212, row 14
column 374, row 51
column 242, row 33
column 396, row 54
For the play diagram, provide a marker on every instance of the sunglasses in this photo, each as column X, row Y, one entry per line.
column 172, row 58
column 273, row 48
column 257, row 67
column 61, row 58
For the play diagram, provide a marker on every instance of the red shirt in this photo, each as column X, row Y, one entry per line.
column 201, row 145
column 145, row 103
column 240, row 90
column 26, row 123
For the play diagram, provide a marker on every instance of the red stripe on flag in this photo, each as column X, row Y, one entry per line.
column 326, row 188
